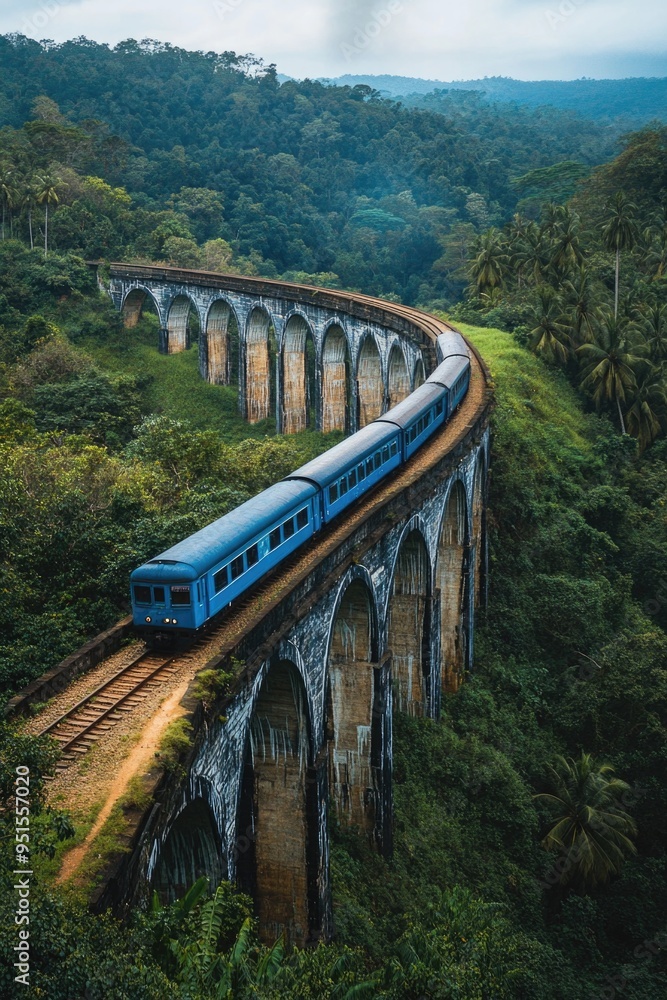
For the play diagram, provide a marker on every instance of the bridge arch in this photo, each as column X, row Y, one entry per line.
column 220, row 342
column 297, row 368
column 370, row 381
column 418, row 374
column 183, row 323
column 192, row 848
column 335, row 391
column 277, row 811
column 259, row 365
column 398, row 379
column 355, row 718
column 452, row 584
column 409, row 624
column 133, row 304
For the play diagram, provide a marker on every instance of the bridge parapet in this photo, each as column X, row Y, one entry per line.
column 373, row 617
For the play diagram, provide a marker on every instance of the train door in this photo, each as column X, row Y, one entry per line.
column 200, row 601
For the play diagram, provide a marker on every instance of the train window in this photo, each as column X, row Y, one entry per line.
column 302, row 518
column 288, row 528
column 342, row 486
column 438, row 408
column 252, row 555
column 274, row 539
column 142, row 595
column 158, row 595
column 180, row 596
column 393, row 450
column 361, row 472
column 352, row 477
column 236, row 567
column 369, row 466
column 333, row 493
column 385, row 455
column 378, row 459
column 220, row 579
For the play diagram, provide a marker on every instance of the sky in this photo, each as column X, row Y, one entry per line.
column 433, row 39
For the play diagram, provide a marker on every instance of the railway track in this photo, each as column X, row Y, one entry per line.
column 79, row 728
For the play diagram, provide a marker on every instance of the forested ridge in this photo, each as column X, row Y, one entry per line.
column 529, row 850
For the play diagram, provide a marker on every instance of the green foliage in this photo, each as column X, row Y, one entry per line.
column 592, row 828
column 176, row 741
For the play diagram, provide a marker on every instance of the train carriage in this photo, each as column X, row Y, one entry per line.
column 179, row 590
column 352, row 467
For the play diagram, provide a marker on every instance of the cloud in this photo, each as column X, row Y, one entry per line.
column 527, row 39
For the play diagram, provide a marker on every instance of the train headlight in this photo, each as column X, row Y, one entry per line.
column 166, row 621
column 149, row 619
column 174, row 621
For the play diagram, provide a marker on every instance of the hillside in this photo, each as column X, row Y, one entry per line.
column 632, row 101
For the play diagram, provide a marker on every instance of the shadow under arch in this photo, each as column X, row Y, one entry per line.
column 451, row 582
column 409, row 625
column 183, row 325
column 259, row 355
column 418, row 374
column 370, row 382
column 192, row 849
column 278, row 814
column 219, row 344
column 357, row 720
column 398, row 379
column 336, row 384
column 298, row 383
column 134, row 305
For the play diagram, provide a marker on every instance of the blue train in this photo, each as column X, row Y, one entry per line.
column 175, row 594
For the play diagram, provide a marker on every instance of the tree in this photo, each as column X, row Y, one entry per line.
column 7, row 192
column 46, row 194
column 646, row 415
column 653, row 326
column 620, row 233
column 549, row 336
column 566, row 251
column 29, row 200
column 582, row 304
column 488, row 267
column 609, row 367
column 591, row 825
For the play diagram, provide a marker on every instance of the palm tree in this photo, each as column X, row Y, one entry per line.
column 46, row 194
column 647, row 414
column 550, row 336
column 29, row 200
column 488, row 267
column 620, row 233
column 7, row 192
column 591, row 826
column 565, row 250
column 653, row 326
column 609, row 365
column 582, row 302
column 655, row 241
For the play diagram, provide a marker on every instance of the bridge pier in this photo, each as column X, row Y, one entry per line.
column 380, row 623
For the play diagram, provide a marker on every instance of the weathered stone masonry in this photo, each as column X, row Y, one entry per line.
column 384, row 622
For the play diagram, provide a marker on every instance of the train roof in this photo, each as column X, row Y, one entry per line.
column 411, row 408
column 329, row 466
column 452, row 343
column 211, row 545
column 448, row 371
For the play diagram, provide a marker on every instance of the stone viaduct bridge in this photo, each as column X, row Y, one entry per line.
column 374, row 616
